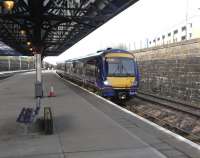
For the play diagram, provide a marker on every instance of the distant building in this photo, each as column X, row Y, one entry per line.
column 182, row 32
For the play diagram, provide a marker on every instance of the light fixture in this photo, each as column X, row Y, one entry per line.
column 31, row 49
column 28, row 43
column 22, row 32
column 8, row 4
column 106, row 82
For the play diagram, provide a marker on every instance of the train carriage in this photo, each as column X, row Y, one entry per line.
column 112, row 73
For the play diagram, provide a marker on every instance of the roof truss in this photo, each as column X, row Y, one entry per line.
column 52, row 26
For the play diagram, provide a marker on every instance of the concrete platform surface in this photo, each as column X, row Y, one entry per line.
column 85, row 126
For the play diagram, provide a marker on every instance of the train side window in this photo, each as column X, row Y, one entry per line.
column 106, row 68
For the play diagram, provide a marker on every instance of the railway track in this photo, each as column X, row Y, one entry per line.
column 155, row 109
column 4, row 76
column 186, row 108
column 167, row 125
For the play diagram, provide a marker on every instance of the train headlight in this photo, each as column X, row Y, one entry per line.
column 106, row 83
column 135, row 83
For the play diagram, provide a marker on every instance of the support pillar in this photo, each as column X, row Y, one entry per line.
column 38, row 83
column 9, row 63
column 20, row 63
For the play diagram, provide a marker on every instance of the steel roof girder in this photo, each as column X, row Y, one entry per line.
column 70, row 20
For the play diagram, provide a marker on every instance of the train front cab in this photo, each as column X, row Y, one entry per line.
column 120, row 76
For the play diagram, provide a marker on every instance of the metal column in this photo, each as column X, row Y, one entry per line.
column 8, row 63
column 38, row 83
column 20, row 63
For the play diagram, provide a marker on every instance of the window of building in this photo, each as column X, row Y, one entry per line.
column 183, row 38
column 149, row 42
column 190, row 24
column 158, row 39
column 175, row 39
column 183, row 28
column 169, row 34
column 163, row 36
column 190, row 35
column 175, row 31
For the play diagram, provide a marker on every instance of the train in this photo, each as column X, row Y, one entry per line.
column 112, row 73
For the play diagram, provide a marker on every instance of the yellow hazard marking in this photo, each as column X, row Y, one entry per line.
column 121, row 82
column 125, row 55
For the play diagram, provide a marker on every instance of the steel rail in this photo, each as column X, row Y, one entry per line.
column 165, row 124
column 4, row 75
column 186, row 108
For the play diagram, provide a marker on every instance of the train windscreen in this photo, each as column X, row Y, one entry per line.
column 120, row 67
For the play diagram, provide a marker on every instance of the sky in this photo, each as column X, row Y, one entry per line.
column 144, row 20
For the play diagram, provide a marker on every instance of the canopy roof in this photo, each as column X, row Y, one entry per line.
column 52, row 26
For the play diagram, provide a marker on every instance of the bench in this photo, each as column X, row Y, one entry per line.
column 27, row 115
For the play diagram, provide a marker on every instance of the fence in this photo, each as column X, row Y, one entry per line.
column 11, row 63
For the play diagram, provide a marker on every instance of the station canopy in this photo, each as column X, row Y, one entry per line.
column 50, row 27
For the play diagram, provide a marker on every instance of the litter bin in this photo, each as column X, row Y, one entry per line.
column 38, row 89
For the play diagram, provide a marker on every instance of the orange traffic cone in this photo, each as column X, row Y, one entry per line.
column 51, row 93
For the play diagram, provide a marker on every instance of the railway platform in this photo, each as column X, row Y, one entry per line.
column 85, row 126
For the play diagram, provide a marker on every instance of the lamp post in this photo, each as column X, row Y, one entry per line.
column 9, row 63
column 186, row 19
column 28, row 43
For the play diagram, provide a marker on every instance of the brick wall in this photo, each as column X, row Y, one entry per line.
column 171, row 71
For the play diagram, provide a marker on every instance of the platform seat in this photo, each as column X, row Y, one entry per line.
column 26, row 115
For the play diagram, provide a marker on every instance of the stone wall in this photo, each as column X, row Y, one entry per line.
column 171, row 71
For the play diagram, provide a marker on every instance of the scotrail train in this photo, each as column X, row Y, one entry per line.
column 113, row 73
